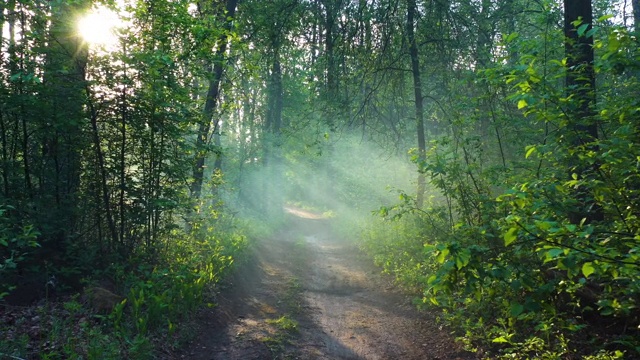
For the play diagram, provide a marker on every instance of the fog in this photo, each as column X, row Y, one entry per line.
column 346, row 178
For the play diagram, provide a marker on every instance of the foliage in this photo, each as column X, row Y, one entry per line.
column 96, row 154
column 103, row 153
column 16, row 245
column 504, row 258
column 158, row 300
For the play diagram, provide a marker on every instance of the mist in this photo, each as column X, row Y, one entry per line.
column 345, row 177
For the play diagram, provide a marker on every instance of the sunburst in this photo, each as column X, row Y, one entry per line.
column 98, row 27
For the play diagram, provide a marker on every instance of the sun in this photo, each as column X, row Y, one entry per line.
column 98, row 27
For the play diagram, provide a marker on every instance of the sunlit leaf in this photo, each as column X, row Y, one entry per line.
column 442, row 256
column 522, row 103
column 500, row 339
column 530, row 150
column 605, row 17
column 510, row 236
column 588, row 269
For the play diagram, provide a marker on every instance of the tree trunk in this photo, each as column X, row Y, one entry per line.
column 211, row 102
column 273, row 156
column 581, row 85
column 64, row 139
column 5, row 157
column 123, row 148
column 330, row 27
column 104, row 186
column 417, row 90
column 3, row 127
column 21, row 131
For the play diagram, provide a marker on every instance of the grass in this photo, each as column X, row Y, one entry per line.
column 285, row 327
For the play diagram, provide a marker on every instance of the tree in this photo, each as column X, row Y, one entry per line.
column 62, row 134
column 581, row 86
column 217, row 67
column 417, row 89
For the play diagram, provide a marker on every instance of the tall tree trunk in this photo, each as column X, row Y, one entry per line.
column 417, row 91
column 331, row 7
column 5, row 157
column 64, row 139
column 272, row 184
column 211, row 102
column 331, row 90
column 3, row 128
column 485, row 35
column 581, row 85
column 123, row 148
column 275, row 102
column 104, row 186
column 16, row 64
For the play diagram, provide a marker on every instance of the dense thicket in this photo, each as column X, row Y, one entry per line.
column 520, row 118
column 531, row 241
column 96, row 148
column 98, row 152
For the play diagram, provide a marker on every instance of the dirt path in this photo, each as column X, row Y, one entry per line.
column 307, row 295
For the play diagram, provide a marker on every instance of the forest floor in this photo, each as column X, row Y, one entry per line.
column 305, row 294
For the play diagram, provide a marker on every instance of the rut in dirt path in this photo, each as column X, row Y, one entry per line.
column 308, row 295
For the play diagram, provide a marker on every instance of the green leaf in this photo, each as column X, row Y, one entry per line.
column 383, row 211
column 552, row 254
column 581, row 29
column 605, row 17
column 510, row 236
column 555, row 252
column 511, row 37
column 592, row 32
column 588, row 269
column 515, row 285
column 432, row 279
column 516, row 309
column 442, row 256
column 522, row 103
column 462, row 258
column 530, row 150
column 545, row 225
column 500, row 339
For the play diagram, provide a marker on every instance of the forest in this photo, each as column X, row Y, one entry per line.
column 484, row 153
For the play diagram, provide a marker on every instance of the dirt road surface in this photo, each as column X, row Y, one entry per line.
column 305, row 294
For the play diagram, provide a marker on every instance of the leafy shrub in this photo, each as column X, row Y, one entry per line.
column 160, row 295
column 16, row 244
column 513, row 254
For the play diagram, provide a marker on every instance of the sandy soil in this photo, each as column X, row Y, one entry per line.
column 305, row 294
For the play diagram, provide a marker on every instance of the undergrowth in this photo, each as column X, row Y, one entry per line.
column 158, row 296
column 501, row 310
